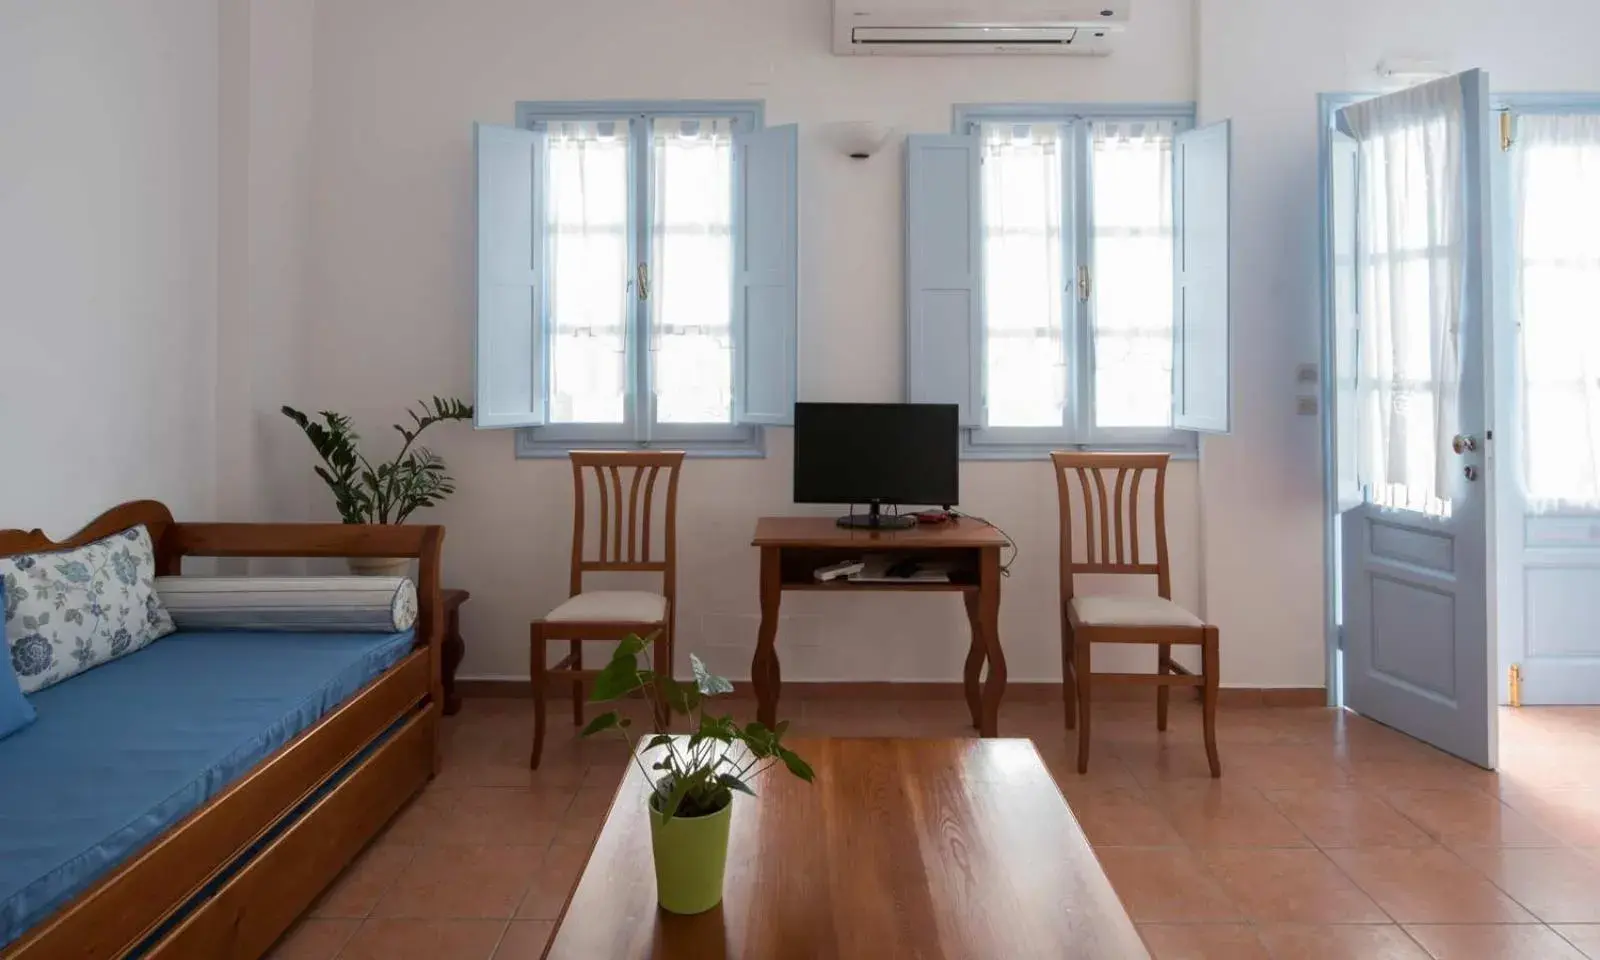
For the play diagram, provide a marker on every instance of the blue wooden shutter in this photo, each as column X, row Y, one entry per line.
column 1201, row 387
column 510, row 354
column 766, row 213
column 944, row 256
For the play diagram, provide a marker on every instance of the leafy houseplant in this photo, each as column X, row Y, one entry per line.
column 691, row 804
column 387, row 492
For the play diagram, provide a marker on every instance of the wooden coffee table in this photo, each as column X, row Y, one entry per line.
column 902, row 848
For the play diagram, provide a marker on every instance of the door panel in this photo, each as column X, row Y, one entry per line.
column 1415, row 591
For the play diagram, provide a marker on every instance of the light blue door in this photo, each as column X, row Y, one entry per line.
column 1549, row 508
column 1412, row 289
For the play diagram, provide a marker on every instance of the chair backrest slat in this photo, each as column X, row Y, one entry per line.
column 1133, row 512
column 1111, row 543
column 1088, row 517
column 1122, row 476
column 626, row 532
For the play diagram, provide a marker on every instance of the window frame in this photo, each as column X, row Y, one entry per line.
column 638, row 430
column 1079, row 431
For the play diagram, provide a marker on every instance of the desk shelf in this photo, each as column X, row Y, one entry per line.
column 846, row 586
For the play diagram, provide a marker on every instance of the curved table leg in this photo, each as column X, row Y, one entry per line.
column 975, row 658
column 765, row 673
column 989, row 617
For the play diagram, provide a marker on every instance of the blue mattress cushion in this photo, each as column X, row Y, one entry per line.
column 122, row 752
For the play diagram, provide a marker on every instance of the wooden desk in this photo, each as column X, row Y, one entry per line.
column 902, row 848
column 792, row 548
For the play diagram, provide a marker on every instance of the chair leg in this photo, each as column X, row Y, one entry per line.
column 1083, row 671
column 536, row 673
column 1163, row 667
column 1211, row 667
column 661, row 662
column 576, row 650
column 1069, row 679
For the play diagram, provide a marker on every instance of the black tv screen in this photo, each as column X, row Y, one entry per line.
column 901, row 453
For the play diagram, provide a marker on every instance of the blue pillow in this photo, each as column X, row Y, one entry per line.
column 15, row 710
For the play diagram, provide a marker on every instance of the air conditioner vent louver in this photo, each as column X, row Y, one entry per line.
column 918, row 27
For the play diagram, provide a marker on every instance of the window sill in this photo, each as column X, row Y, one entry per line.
column 530, row 446
column 1041, row 450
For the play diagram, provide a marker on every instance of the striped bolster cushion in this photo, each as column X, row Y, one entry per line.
column 290, row 604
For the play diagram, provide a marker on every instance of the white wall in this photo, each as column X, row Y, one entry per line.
column 1262, row 63
column 108, row 257
column 264, row 327
column 397, row 89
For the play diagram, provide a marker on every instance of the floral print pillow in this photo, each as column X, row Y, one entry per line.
column 74, row 609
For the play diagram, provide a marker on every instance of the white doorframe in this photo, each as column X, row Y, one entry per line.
column 1329, row 104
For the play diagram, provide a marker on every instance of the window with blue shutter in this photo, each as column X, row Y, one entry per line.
column 637, row 266
column 1043, row 279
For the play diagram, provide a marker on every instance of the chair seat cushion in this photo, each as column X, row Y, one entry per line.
column 1121, row 611
column 612, row 606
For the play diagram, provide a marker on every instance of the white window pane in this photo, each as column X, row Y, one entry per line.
column 1131, row 191
column 589, row 271
column 1023, row 261
column 691, row 296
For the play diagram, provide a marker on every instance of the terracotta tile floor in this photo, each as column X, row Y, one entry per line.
column 1328, row 837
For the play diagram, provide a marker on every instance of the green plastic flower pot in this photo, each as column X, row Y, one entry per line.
column 691, row 856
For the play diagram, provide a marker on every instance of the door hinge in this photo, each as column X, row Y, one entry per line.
column 1085, row 284
column 1507, row 131
column 1516, row 684
column 644, row 280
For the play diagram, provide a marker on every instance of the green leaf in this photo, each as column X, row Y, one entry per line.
column 732, row 782
column 659, row 740
column 619, row 678
column 720, row 729
column 679, row 697
column 761, row 741
column 629, row 649
column 709, row 683
column 603, row 722
column 796, row 766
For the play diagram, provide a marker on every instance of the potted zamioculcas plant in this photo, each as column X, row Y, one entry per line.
column 386, row 492
column 694, row 775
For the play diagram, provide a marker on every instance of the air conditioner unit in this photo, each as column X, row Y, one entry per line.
column 898, row 28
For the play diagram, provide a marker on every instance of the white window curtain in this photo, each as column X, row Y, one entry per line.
column 1556, row 185
column 1023, row 262
column 587, row 227
column 691, row 300
column 1411, row 254
column 1131, row 193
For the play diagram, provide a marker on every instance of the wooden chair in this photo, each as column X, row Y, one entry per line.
column 1111, row 546
column 625, row 543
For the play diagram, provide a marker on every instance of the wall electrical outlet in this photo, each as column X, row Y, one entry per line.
column 1305, row 406
column 1305, row 373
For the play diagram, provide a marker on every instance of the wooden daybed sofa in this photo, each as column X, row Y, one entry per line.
column 231, row 876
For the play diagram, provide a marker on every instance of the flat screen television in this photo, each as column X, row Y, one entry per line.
column 873, row 454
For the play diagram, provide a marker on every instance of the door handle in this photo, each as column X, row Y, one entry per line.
column 1464, row 443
